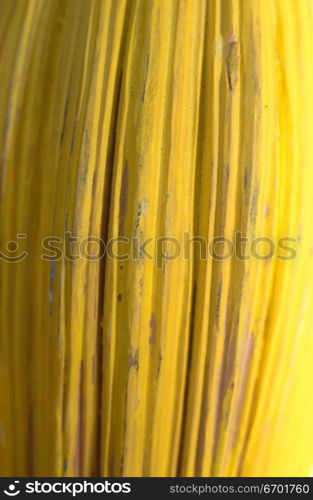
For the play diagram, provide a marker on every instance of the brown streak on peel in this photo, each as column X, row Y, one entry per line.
column 218, row 304
column 232, row 64
column 159, row 364
column 133, row 361
column 229, row 364
column 152, row 325
column 254, row 201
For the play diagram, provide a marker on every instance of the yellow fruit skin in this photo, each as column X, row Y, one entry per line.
column 152, row 119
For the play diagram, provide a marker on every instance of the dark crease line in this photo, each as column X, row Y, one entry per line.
column 188, row 370
column 104, row 236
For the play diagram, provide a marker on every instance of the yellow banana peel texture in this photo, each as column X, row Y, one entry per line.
column 167, row 124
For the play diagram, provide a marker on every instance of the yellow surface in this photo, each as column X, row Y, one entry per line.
column 151, row 119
